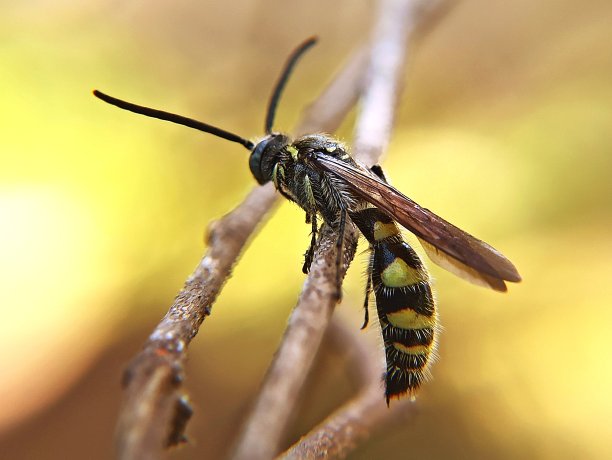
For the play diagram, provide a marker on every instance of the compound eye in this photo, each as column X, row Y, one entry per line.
column 256, row 160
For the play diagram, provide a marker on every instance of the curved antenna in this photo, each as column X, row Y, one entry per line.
column 174, row 118
column 282, row 81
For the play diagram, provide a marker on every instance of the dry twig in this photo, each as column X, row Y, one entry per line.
column 154, row 409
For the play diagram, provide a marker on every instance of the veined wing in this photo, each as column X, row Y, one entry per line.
column 447, row 245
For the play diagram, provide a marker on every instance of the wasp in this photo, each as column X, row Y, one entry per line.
column 318, row 174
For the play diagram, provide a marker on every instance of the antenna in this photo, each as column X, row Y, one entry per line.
column 174, row 118
column 282, row 81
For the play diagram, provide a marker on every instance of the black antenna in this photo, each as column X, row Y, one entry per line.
column 174, row 118
column 282, row 81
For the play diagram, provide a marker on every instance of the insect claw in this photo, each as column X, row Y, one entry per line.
column 308, row 255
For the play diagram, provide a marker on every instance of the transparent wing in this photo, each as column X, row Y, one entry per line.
column 447, row 245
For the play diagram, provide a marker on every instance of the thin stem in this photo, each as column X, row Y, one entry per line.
column 154, row 400
column 353, row 423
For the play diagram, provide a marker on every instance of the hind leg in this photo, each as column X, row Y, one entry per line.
column 368, row 292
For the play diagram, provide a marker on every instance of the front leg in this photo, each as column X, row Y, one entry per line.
column 309, row 254
column 339, row 242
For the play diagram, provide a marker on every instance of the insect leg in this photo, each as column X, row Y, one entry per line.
column 308, row 256
column 339, row 242
column 286, row 195
column 366, row 320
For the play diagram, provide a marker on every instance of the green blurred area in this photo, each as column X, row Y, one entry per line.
column 504, row 129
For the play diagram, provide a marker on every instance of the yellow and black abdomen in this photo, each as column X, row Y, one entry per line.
column 404, row 301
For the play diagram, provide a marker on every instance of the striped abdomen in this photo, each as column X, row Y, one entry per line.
column 405, row 304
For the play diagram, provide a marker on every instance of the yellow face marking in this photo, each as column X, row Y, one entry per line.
column 399, row 274
column 382, row 230
column 346, row 156
column 415, row 350
column 331, row 148
column 293, row 151
column 274, row 171
column 410, row 319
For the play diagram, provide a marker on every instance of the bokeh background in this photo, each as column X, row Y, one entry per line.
column 505, row 129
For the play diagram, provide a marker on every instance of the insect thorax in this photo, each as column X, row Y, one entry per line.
column 297, row 175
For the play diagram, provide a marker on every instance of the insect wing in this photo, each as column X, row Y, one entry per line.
column 461, row 247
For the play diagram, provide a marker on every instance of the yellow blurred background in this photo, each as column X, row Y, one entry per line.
column 505, row 129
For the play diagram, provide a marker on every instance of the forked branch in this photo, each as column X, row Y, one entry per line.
column 355, row 421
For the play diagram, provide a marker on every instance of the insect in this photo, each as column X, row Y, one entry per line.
column 316, row 172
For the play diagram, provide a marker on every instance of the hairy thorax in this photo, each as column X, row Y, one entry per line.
column 297, row 175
